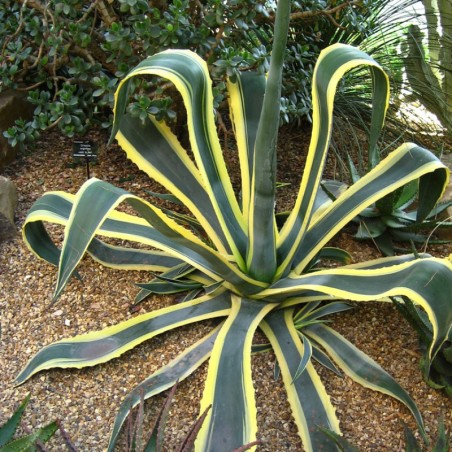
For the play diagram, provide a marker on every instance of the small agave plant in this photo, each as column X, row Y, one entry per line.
column 135, row 436
column 8, row 442
column 441, row 444
column 230, row 256
column 394, row 218
column 437, row 372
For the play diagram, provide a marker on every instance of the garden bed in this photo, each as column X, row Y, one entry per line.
column 86, row 401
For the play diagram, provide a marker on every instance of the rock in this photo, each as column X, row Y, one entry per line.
column 8, row 203
column 13, row 105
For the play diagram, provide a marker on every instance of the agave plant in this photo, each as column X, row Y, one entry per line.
column 28, row 442
column 394, row 218
column 438, row 372
column 135, row 441
column 412, row 444
column 229, row 255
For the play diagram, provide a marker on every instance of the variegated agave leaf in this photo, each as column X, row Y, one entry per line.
column 252, row 272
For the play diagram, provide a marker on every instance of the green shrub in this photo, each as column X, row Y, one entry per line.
column 69, row 55
column 230, row 256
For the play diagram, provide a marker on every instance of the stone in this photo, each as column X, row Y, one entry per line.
column 13, row 105
column 8, row 203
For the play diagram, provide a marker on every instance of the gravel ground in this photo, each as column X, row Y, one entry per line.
column 86, row 400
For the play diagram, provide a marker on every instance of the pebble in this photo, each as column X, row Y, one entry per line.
column 95, row 389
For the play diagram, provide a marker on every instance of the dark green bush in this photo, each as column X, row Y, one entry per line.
column 68, row 55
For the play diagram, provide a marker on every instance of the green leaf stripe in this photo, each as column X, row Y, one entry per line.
column 311, row 296
column 130, row 259
column 426, row 282
column 176, row 370
column 190, row 75
column 55, row 207
column 310, row 403
column 168, row 287
column 306, row 357
column 406, row 163
column 171, row 281
column 322, row 311
column 261, row 258
column 101, row 346
column 154, row 148
column 430, row 191
column 360, row 367
column 231, row 425
column 332, row 64
column 246, row 95
column 167, row 235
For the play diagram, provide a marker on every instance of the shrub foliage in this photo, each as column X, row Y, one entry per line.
column 69, row 55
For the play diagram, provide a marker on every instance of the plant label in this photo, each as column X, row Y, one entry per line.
column 85, row 149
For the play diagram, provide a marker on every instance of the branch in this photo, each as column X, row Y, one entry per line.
column 19, row 28
column 38, row 6
column 91, row 7
column 328, row 12
column 29, row 88
column 218, row 38
column 80, row 51
column 54, row 123
column 107, row 18
column 51, row 67
column 35, row 4
column 313, row 15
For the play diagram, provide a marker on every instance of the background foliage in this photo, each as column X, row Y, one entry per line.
column 68, row 55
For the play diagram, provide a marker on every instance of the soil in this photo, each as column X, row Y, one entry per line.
column 87, row 400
